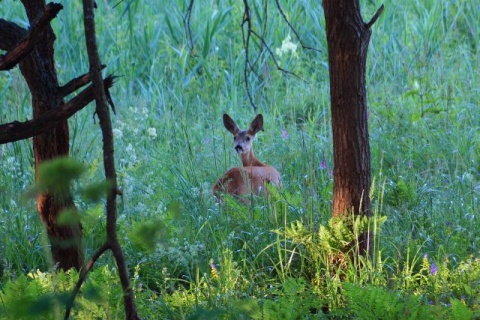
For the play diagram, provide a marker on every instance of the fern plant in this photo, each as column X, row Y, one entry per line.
column 327, row 254
column 370, row 302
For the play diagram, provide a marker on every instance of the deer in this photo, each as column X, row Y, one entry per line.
column 254, row 175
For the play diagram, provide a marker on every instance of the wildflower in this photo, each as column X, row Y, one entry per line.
column 410, row 164
column 287, row 46
column 213, row 270
column 433, row 269
column 117, row 133
column 416, row 85
column 284, row 134
column 323, row 164
column 152, row 133
column 425, row 263
column 130, row 150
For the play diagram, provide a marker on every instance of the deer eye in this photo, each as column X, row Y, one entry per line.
column 248, row 139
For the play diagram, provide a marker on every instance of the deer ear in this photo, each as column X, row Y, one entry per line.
column 229, row 124
column 257, row 125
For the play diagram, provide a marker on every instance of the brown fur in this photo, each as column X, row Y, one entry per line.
column 254, row 175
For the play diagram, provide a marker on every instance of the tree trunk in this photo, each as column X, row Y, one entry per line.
column 348, row 37
column 38, row 69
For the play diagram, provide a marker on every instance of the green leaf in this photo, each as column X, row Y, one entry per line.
column 57, row 175
column 68, row 217
column 206, row 41
column 96, row 191
column 147, row 235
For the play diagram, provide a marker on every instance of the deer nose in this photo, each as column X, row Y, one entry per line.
column 238, row 148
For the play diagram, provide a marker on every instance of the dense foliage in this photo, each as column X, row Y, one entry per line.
column 271, row 260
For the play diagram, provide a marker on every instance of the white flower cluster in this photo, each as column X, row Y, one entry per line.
column 287, row 47
column 152, row 133
column 180, row 255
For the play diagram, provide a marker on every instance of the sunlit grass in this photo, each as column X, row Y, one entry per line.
column 423, row 87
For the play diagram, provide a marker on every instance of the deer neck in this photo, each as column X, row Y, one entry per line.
column 250, row 160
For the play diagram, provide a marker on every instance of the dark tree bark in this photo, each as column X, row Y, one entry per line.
column 38, row 69
column 348, row 37
column 14, row 131
column 33, row 51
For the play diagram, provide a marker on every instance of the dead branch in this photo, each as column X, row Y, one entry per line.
column 186, row 22
column 275, row 62
column 22, row 48
column 83, row 276
column 103, row 112
column 246, row 45
column 10, row 34
column 247, row 32
column 375, row 17
column 75, row 84
column 15, row 131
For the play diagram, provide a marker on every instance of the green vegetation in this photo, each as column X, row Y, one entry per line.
column 270, row 260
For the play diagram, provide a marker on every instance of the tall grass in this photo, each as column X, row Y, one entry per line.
column 423, row 88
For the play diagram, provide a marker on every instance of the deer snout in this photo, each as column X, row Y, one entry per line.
column 238, row 148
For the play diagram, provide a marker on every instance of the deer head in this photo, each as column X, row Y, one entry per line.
column 242, row 139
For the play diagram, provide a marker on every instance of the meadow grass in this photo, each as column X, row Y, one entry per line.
column 236, row 261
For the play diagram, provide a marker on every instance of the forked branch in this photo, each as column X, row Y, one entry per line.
column 76, row 84
column 15, row 131
column 22, row 48
column 102, row 99
column 83, row 276
column 247, row 33
column 284, row 16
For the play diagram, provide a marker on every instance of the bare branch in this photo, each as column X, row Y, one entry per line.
column 247, row 32
column 274, row 59
column 15, row 131
column 21, row 49
column 10, row 34
column 83, row 276
column 375, row 17
column 279, row 7
column 246, row 45
column 75, row 84
column 186, row 22
column 101, row 99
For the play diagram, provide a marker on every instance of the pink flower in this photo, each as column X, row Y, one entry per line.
column 284, row 134
column 323, row 164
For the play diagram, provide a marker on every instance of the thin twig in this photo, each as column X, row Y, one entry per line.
column 186, row 22
column 246, row 46
column 284, row 16
column 21, row 49
column 274, row 59
column 108, row 158
column 75, row 84
column 83, row 276
column 375, row 17
column 15, row 131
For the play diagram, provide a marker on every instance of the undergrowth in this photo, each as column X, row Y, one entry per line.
column 190, row 257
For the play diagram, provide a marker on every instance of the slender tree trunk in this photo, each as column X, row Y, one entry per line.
column 38, row 69
column 108, row 158
column 348, row 38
